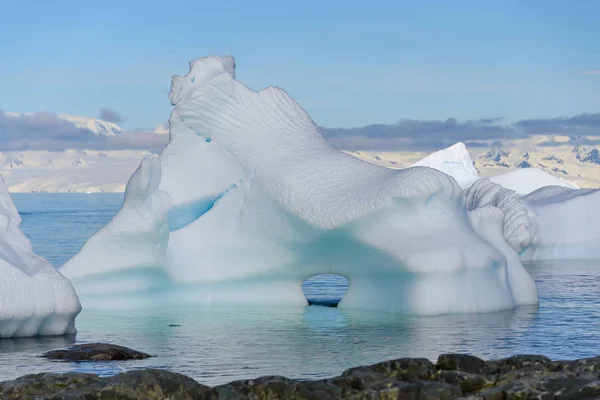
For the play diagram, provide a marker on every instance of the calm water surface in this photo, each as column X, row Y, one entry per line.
column 222, row 344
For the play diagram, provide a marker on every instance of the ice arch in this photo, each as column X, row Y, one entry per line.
column 325, row 289
column 286, row 206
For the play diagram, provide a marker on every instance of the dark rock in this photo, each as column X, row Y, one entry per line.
column 467, row 382
column 439, row 390
column 520, row 362
column 30, row 386
column 268, row 387
column 460, row 362
column 95, row 352
column 454, row 376
column 400, row 369
column 316, row 390
column 142, row 384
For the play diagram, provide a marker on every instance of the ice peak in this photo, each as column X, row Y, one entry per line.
column 201, row 71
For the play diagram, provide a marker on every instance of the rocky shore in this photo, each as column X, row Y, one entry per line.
column 454, row 376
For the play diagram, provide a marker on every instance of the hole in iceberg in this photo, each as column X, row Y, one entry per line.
column 325, row 289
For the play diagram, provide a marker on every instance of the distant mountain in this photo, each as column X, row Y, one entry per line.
column 69, row 170
column 108, row 171
column 94, row 125
column 97, row 126
column 561, row 156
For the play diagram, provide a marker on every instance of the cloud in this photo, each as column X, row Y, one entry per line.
column 580, row 125
column 591, row 72
column 110, row 115
column 421, row 135
column 46, row 131
column 410, row 134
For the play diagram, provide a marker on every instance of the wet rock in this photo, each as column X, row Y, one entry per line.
column 467, row 382
column 400, row 369
column 95, row 352
column 268, row 387
column 520, row 362
column 316, row 390
column 142, row 384
column 453, row 377
column 460, row 362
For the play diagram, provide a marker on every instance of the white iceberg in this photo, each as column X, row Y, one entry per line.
column 35, row 299
column 260, row 202
column 569, row 224
column 555, row 220
column 454, row 161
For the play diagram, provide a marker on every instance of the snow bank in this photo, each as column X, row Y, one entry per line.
column 34, row 298
column 260, row 202
column 569, row 224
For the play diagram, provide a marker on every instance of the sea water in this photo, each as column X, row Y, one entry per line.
column 221, row 344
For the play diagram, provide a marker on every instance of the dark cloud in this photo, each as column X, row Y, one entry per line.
column 579, row 125
column 110, row 115
column 46, row 131
column 409, row 134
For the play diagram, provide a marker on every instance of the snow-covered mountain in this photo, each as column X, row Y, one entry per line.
column 561, row 156
column 566, row 157
column 94, row 125
column 73, row 170
column 69, row 170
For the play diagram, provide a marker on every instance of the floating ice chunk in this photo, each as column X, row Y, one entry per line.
column 267, row 203
column 569, row 223
column 35, row 299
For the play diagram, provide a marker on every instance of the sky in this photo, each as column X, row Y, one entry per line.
column 349, row 64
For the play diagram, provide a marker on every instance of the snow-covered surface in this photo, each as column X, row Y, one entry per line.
column 261, row 202
column 569, row 224
column 35, row 299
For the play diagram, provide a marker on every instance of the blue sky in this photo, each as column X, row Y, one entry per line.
column 348, row 63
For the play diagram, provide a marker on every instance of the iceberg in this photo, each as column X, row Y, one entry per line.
column 248, row 200
column 545, row 217
column 569, row 224
column 35, row 299
column 454, row 161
